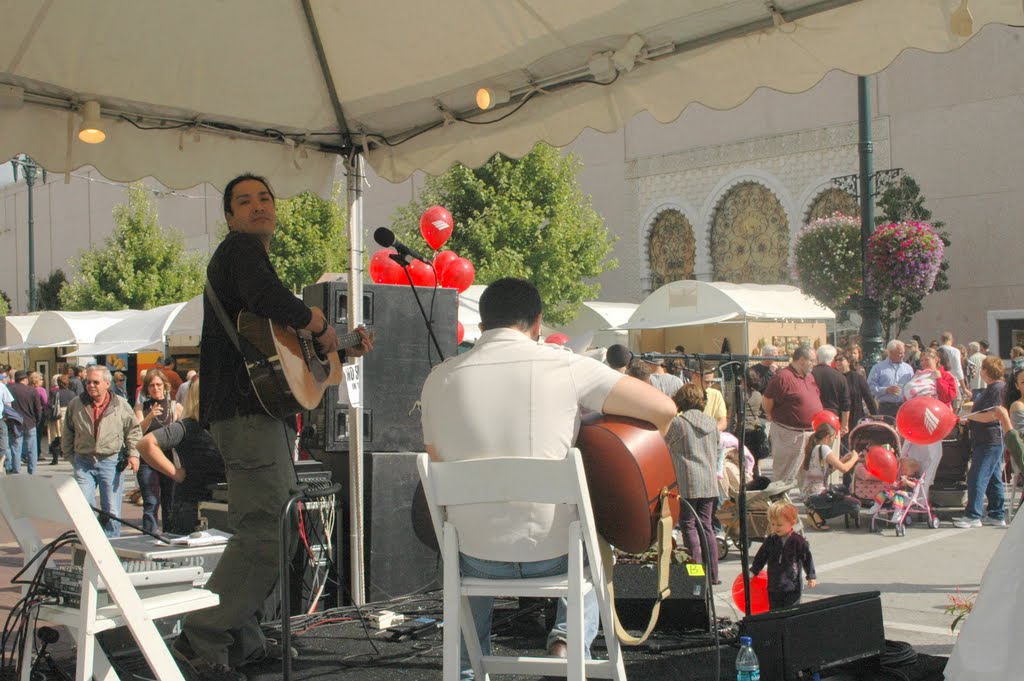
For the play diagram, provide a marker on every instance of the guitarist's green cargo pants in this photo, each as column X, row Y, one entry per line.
column 261, row 478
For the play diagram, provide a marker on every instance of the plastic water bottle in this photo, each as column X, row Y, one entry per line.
column 747, row 667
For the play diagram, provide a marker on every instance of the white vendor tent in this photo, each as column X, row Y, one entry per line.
column 16, row 329
column 601, row 319
column 142, row 331
column 187, row 326
column 55, row 328
column 698, row 315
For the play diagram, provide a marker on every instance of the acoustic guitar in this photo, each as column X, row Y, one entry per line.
column 629, row 469
column 292, row 373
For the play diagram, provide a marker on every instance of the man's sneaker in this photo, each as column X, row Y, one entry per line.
column 198, row 669
column 966, row 522
column 993, row 522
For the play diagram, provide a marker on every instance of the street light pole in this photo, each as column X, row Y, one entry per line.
column 31, row 170
column 871, row 325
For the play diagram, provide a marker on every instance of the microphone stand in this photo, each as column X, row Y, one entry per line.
column 429, row 323
column 739, row 432
column 104, row 516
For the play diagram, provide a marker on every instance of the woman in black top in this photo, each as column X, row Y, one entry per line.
column 200, row 466
column 154, row 411
column 861, row 401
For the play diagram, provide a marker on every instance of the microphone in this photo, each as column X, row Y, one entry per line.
column 386, row 238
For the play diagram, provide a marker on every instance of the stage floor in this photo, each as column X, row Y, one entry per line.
column 335, row 645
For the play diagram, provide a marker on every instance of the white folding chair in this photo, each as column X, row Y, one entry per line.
column 511, row 479
column 27, row 499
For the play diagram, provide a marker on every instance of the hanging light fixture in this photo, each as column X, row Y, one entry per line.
column 490, row 97
column 91, row 130
column 962, row 21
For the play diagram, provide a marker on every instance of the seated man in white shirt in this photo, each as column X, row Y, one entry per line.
column 510, row 396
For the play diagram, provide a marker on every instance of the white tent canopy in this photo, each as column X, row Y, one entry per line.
column 53, row 329
column 16, row 330
column 400, row 78
column 143, row 330
column 189, row 321
column 687, row 303
column 600, row 318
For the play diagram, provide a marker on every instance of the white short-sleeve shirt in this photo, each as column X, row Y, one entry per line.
column 511, row 396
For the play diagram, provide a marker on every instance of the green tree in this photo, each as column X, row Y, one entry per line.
column 900, row 202
column 310, row 239
column 5, row 303
column 140, row 266
column 48, row 290
column 523, row 218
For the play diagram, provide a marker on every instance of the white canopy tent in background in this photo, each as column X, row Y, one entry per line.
column 53, row 329
column 601, row 319
column 395, row 82
column 143, row 330
column 16, row 330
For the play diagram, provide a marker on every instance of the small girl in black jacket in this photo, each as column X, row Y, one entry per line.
column 785, row 553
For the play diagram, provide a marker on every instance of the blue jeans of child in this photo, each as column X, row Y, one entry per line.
column 102, row 475
column 985, row 479
column 23, row 444
column 483, row 606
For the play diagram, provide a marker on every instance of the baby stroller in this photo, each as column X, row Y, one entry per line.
column 870, row 432
column 916, row 503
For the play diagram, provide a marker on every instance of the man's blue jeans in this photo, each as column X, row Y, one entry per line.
column 483, row 606
column 22, row 444
column 102, row 475
column 985, row 479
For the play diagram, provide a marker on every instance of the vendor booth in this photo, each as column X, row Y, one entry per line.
column 700, row 315
column 602, row 319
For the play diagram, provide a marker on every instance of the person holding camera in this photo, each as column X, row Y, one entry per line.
column 98, row 425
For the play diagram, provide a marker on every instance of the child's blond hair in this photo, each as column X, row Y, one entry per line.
column 909, row 467
column 783, row 510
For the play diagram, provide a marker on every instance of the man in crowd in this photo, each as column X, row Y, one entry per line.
column 954, row 360
column 75, row 376
column 832, row 386
column 98, row 425
column 256, row 447
column 618, row 357
column 6, row 400
column 791, row 400
column 975, row 381
column 765, row 369
column 535, row 414
column 23, row 443
column 662, row 380
column 182, row 393
column 888, row 377
column 913, row 357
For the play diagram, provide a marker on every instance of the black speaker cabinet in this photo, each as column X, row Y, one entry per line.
column 393, row 374
column 796, row 642
column 636, row 587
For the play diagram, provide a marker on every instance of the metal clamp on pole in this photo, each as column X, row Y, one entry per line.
column 284, row 582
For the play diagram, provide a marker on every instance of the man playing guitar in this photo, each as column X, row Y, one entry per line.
column 256, row 447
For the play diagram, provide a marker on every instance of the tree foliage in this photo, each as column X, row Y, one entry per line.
column 903, row 202
column 310, row 239
column 523, row 218
column 140, row 266
column 5, row 303
column 48, row 290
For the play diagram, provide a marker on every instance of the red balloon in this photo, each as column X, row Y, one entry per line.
column 384, row 270
column 458, row 274
column 557, row 339
column 924, row 420
column 825, row 416
column 881, row 463
column 442, row 260
column 460, row 332
column 422, row 274
column 436, row 226
column 758, row 593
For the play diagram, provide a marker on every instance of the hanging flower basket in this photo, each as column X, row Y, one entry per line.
column 904, row 258
column 828, row 259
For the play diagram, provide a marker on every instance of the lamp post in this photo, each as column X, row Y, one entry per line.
column 864, row 186
column 31, row 170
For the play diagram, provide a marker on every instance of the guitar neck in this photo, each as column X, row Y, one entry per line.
column 349, row 340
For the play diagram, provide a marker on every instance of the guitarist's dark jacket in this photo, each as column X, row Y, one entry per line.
column 243, row 278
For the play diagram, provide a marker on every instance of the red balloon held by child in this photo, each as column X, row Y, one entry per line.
column 825, row 416
column 436, row 226
column 925, row 420
column 881, row 463
column 758, row 593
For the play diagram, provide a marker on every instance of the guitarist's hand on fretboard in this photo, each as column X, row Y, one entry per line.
column 365, row 343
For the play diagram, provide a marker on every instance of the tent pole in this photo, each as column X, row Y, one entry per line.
column 354, row 169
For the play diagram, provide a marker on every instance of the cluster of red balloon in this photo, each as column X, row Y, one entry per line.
column 922, row 421
column 448, row 269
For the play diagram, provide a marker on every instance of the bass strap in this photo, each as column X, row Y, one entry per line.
column 248, row 351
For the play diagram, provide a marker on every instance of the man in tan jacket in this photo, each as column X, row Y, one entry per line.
column 98, row 426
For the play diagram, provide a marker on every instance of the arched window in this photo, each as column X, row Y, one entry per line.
column 833, row 200
column 750, row 237
column 671, row 248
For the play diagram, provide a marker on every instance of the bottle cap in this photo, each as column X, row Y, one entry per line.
column 745, row 640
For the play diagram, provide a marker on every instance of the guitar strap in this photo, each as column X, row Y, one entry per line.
column 248, row 351
column 664, row 557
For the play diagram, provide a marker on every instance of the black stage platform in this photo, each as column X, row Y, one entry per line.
column 336, row 645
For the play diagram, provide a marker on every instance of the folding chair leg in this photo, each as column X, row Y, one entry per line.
column 453, row 625
column 575, row 644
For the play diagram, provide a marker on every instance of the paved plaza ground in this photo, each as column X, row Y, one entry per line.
column 915, row 573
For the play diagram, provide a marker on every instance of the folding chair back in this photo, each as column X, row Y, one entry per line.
column 508, row 480
column 27, row 499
